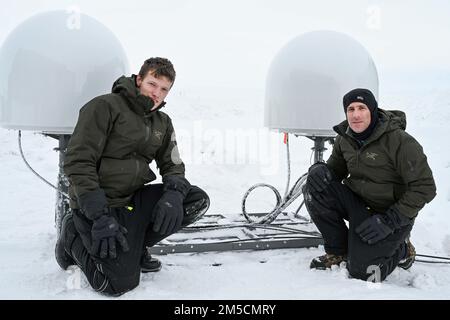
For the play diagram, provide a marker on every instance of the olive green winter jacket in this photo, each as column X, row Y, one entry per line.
column 114, row 140
column 390, row 169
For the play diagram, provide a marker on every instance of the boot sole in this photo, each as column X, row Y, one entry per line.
column 151, row 270
column 406, row 265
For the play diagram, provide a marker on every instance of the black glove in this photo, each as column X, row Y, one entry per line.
column 93, row 204
column 380, row 226
column 168, row 212
column 105, row 232
column 319, row 177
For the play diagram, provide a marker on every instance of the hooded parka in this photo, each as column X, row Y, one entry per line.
column 389, row 169
column 115, row 140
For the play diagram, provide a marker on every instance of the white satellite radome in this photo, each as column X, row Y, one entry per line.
column 308, row 78
column 51, row 65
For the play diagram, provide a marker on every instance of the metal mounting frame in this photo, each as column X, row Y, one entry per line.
column 283, row 233
column 249, row 241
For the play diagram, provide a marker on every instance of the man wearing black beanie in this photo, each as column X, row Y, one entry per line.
column 366, row 97
column 378, row 179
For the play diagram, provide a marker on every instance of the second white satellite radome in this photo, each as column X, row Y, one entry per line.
column 308, row 78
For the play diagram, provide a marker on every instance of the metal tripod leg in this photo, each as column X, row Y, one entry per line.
column 62, row 203
column 319, row 146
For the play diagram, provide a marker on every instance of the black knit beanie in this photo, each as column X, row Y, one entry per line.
column 364, row 96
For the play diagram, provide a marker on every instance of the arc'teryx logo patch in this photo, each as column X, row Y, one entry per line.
column 371, row 155
column 157, row 134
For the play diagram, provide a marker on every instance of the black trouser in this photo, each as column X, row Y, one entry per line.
column 338, row 203
column 119, row 275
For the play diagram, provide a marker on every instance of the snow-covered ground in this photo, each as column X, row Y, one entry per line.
column 27, row 237
column 222, row 52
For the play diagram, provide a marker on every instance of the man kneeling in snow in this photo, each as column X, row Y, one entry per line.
column 116, row 215
column 377, row 178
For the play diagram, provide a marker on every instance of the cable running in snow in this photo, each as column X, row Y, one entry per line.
column 32, row 170
column 282, row 203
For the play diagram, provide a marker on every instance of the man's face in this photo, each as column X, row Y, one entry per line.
column 358, row 116
column 154, row 88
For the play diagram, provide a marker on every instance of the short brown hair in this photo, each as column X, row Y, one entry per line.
column 159, row 67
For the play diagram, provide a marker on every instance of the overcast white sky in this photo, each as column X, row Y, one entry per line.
column 231, row 43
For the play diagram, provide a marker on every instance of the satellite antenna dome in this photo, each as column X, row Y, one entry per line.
column 308, row 78
column 51, row 65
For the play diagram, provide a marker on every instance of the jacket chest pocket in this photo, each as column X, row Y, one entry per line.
column 153, row 141
column 374, row 159
column 129, row 127
column 378, row 166
column 350, row 159
column 157, row 136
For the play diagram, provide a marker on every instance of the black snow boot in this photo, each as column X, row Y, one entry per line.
column 149, row 264
column 326, row 261
column 64, row 242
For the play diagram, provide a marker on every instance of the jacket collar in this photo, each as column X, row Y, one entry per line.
column 140, row 104
column 388, row 121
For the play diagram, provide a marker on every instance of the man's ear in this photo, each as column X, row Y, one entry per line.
column 138, row 81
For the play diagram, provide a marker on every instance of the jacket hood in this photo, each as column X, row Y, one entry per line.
column 396, row 118
column 389, row 120
column 126, row 86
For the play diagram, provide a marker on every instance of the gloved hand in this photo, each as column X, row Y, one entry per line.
column 319, row 177
column 105, row 232
column 168, row 212
column 380, row 226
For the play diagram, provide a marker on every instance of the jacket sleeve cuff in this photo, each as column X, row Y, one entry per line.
column 398, row 219
column 93, row 204
column 177, row 183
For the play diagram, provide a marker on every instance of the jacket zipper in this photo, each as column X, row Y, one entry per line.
column 357, row 158
column 136, row 173
column 147, row 133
